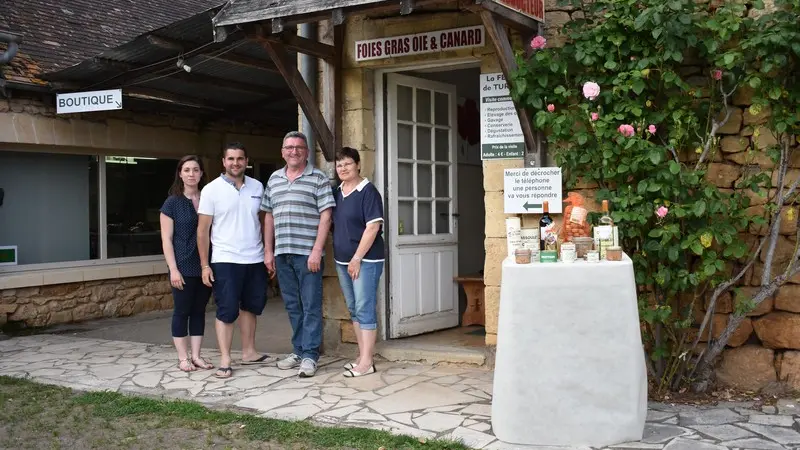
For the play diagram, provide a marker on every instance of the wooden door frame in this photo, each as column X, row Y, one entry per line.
column 381, row 165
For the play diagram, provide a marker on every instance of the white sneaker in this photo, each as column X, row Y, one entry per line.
column 290, row 362
column 307, row 368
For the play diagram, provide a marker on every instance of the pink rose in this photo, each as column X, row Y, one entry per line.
column 591, row 90
column 626, row 130
column 662, row 211
column 595, row 116
column 652, row 129
column 551, row 107
column 716, row 74
column 538, row 43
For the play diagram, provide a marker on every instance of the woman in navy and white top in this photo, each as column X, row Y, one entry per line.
column 359, row 254
column 179, row 242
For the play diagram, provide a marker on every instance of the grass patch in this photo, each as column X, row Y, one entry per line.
column 102, row 417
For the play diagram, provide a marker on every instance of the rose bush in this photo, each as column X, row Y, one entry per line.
column 630, row 117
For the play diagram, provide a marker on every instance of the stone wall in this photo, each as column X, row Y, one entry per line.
column 74, row 302
column 763, row 348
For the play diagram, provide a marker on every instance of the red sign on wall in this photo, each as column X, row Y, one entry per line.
column 531, row 8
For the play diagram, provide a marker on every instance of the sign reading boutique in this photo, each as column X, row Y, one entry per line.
column 420, row 43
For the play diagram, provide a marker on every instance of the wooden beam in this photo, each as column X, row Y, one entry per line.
column 229, row 85
column 514, row 19
column 144, row 93
column 229, row 57
column 337, row 16
column 508, row 64
column 332, row 83
column 305, row 46
column 277, row 52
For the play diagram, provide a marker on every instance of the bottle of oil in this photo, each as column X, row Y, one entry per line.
column 547, row 232
column 604, row 232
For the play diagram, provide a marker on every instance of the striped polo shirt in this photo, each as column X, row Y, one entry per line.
column 296, row 207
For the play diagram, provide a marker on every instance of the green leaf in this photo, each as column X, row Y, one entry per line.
column 656, row 232
column 755, row 82
column 610, row 65
column 582, row 138
column 697, row 248
column 638, row 86
column 699, row 208
column 729, row 58
column 657, row 32
column 674, row 167
column 521, row 86
column 537, row 103
column 655, row 156
column 673, row 253
column 710, row 270
column 541, row 119
column 775, row 93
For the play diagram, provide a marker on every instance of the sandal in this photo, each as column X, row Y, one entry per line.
column 350, row 373
column 201, row 363
column 224, row 372
column 181, row 366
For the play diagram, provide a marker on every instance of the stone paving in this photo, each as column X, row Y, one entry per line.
column 419, row 400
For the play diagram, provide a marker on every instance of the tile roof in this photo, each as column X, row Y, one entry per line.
column 61, row 33
column 21, row 69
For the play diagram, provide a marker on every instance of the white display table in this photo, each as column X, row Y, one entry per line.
column 570, row 367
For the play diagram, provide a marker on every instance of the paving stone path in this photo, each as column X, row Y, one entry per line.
column 414, row 399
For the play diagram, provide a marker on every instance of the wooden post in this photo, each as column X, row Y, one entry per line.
column 505, row 56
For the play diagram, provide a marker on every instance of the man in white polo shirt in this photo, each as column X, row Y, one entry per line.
column 229, row 207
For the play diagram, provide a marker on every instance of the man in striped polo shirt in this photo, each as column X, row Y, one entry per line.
column 298, row 202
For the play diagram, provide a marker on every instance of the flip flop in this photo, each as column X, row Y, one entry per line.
column 224, row 370
column 264, row 359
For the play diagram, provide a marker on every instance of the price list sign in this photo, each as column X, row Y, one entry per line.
column 501, row 133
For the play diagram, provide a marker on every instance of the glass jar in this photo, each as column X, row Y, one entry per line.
column 582, row 245
column 614, row 253
column 593, row 256
column 522, row 256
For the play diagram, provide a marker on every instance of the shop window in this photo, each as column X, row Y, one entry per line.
column 136, row 189
column 49, row 208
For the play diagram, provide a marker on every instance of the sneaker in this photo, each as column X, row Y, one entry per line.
column 307, row 368
column 290, row 362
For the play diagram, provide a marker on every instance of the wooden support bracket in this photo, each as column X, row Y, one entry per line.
column 277, row 52
column 508, row 64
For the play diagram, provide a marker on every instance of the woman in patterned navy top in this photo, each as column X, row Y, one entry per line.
column 179, row 241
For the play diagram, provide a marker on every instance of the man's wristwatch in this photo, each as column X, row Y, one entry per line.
column 206, row 267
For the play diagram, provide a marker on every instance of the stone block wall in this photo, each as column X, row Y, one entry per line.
column 75, row 302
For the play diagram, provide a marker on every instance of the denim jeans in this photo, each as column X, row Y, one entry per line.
column 361, row 295
column 301, row 290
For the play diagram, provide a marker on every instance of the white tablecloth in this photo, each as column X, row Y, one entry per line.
column 569, row 368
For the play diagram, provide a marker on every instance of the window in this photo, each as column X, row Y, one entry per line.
column 136, row 189
column 48, row 214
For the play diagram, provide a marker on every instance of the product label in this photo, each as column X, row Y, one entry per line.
column 548, row 256
column 549, row 237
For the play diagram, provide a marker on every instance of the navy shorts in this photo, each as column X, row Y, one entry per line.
column 239, row 286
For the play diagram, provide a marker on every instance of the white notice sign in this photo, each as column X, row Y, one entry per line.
column 526, row 189
column 76, row 102
column 420, row 43
column 501, row 133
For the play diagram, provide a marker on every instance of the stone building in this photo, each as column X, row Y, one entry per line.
column 444, row 202
column 81, row 191
column 411, row 109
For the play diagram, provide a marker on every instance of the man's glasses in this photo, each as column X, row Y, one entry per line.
column 296, row 148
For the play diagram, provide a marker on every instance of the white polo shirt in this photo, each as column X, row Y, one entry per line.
column 235, row 228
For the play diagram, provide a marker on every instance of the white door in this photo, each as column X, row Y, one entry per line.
column 421, row 132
